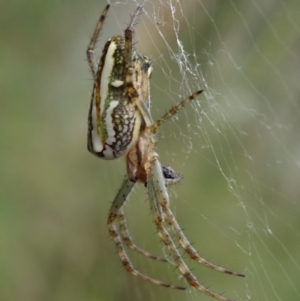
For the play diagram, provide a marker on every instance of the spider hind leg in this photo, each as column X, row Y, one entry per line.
column 90, row 50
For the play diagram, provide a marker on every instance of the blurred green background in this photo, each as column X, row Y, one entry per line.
column 237, row 146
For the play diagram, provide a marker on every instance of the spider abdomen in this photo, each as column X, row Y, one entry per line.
column 114, row 121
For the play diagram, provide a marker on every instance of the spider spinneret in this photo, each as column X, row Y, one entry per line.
column 120, row 123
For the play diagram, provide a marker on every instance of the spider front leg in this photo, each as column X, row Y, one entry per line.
column 159, row 219
column 115, row 214
column 170, row 177
column 186, row 245
column 170, row 219
column 129, row 242
column 159, row 203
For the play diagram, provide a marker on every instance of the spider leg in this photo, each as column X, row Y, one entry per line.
column 171, row 175
column 186, row 245
column 90, row 50
column 173, row 111
column 129, row 242
column 159, row 200
column 128, row 43
column 120, row 199
column 114, row 214
column 143, row 108
column 141, row 100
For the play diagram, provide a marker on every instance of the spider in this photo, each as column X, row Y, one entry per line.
column 120, row 124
